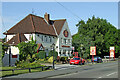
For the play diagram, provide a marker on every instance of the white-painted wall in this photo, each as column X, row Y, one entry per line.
column 61, row 35
column 9, row 37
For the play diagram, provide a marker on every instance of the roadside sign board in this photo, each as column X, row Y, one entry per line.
column 92, row 50
column 112, row 51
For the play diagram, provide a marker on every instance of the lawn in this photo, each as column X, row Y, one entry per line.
column 16, row 72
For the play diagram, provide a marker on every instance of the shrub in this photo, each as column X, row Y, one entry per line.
column 26, row 64
column 41, row 55
column 63, row 58
column 50, row 59
column 51, row 54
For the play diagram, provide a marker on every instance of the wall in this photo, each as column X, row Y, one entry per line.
column 61, row 35
column 9, row 37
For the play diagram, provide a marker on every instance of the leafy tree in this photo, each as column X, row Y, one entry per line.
column 95, row 32
column 26, row 49
column 4, row 48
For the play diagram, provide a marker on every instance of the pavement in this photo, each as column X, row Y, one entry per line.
column 104, row 70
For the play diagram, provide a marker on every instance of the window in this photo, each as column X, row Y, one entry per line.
column 46, row 38
column 42, row 38
column 69, row 41
column 38, row 35
column 50, row 39
column 30, row 36
column 61, row 40
column 65, row 41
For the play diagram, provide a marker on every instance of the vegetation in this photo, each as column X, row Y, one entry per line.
column 4, row 48
column 96, row 32
column 51, row 54
column 27, row 49
column 20, row 71
column 40, row 55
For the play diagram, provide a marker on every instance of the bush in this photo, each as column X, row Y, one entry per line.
column 41, row 55
column 51, row 54
column 26, row 64
column 63, row 58
column 50, row 59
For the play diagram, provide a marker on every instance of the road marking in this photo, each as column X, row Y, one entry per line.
column 111, row 73
column 99, row 77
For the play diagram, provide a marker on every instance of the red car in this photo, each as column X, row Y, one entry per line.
column 77, row 60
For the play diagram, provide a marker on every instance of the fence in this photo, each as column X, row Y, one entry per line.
column 29, row 69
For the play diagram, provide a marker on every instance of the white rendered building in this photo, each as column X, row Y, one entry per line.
column 44, row 31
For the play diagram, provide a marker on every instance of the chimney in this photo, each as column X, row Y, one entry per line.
column 47, row 17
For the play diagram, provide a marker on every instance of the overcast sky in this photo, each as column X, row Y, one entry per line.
column 13, row 12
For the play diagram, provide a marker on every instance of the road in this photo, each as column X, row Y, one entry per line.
column 105, row 70
column 93, row 71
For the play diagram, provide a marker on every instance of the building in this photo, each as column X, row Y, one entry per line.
column 44, row 31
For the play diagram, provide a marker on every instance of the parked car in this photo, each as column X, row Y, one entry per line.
column 97, row 59
column 77, row 60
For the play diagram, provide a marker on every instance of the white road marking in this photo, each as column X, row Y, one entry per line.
column 111, row 73
column 99, row 77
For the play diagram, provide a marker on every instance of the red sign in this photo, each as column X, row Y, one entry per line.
column 65, row 46
column 65, row 33
column 112, row 51
column 92, row 50
column 14, row 56
column 76, row 54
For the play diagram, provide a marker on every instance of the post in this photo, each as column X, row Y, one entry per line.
column 92, row 59
column 13, row 71
column 53, row 57
column 9, row 56
column 114, row 55
column 29, row 70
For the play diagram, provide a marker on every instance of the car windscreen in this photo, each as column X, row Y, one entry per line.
column 76, row 58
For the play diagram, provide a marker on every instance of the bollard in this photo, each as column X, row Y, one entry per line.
column 42, row 68
column 29, row 70
column 13, row 71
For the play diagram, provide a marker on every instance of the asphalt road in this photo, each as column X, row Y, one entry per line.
column 97, row 71
column 94, row 71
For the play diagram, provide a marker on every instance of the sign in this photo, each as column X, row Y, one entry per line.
column 65, row 33
column 14, row 56
column 92, row 50
column 75, row 54
column 72, row 48
column 112, row 51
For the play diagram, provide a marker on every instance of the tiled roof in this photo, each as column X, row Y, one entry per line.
column 18, row 38
column 36, row 24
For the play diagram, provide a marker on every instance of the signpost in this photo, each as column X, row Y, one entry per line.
column 93, row 52
column 112, row 52
column 76, row 54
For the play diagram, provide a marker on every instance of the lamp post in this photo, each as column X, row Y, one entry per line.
column 52, row 46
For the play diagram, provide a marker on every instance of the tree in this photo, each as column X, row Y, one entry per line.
column 26, row 49
column 4, row 48
column 96, row 32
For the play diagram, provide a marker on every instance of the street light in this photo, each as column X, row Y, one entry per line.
column 52, row 46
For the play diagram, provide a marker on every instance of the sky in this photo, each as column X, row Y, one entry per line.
column 13, row 12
